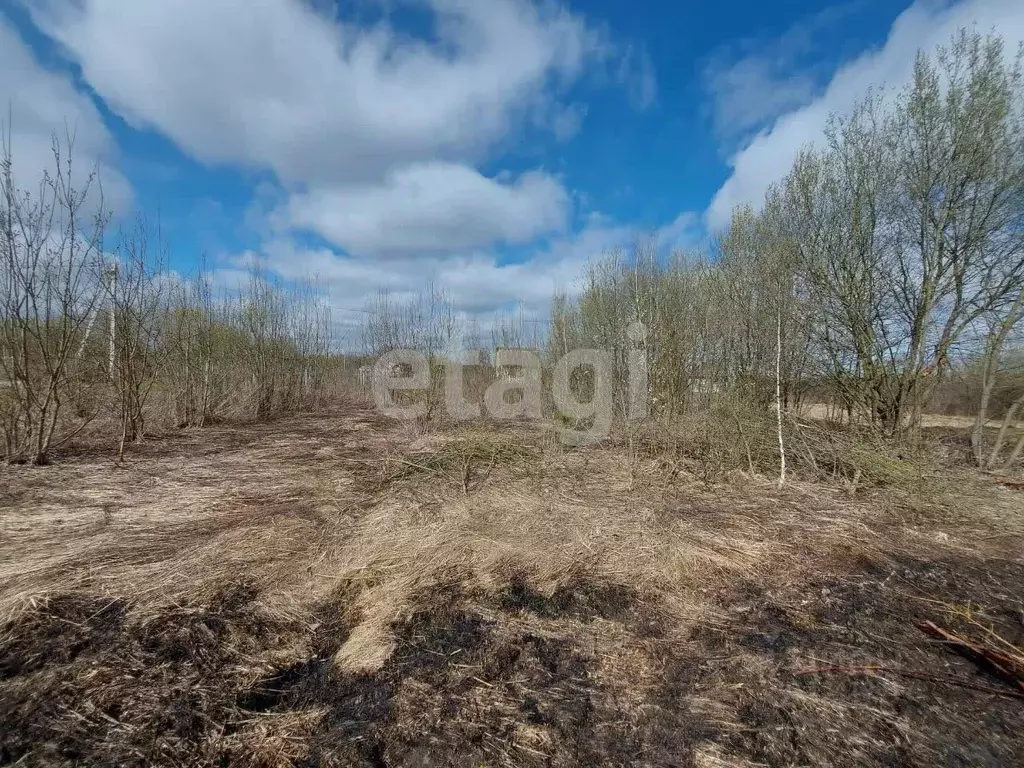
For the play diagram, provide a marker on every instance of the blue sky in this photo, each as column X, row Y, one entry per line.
column 490, row 146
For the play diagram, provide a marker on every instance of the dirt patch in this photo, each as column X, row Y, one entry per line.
column 87, row 679
column 578, row 599
column 834, row 671
column 468, row 687
column 59, row 630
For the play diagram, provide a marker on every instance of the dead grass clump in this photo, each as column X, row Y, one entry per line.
column 711, row 444
column 466, row 455
column 271, row 740
column 858, row 459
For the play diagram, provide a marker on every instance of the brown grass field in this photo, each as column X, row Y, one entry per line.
column 337, row 589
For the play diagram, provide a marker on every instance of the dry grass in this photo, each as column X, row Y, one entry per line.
column 823, row 411
column 336, row 590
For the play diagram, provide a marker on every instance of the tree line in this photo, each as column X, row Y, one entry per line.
column 887, row 261
column 880, row 275
column 95, row 329
column 885, row 265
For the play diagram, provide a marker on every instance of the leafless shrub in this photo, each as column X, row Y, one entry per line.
column 51, row 253
column 85, row 332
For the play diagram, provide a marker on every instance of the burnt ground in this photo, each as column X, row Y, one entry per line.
column 811, row 661
column 923, row 705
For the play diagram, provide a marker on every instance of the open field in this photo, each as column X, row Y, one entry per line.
column 336, row 589
column 928, row 420
column 762, row 267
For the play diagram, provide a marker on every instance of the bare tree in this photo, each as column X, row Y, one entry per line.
column 50, row 257
column 425, row 321
column 908, row 225
column 1000, row 325
column 138, row 309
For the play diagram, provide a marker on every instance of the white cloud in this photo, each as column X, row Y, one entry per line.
column 752, row 90
column 685, row 231
column 433, row 208
column 752, row 81
column 924, row 25
column 37, row 104
column 566, row 122
column 350, row 119
column 276, row 84
column 636, row 73
column 478, row 283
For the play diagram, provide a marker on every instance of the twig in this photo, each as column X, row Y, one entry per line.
column 417, row 466
column 873, row 669
column 1009, row 482
column 996, row 662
